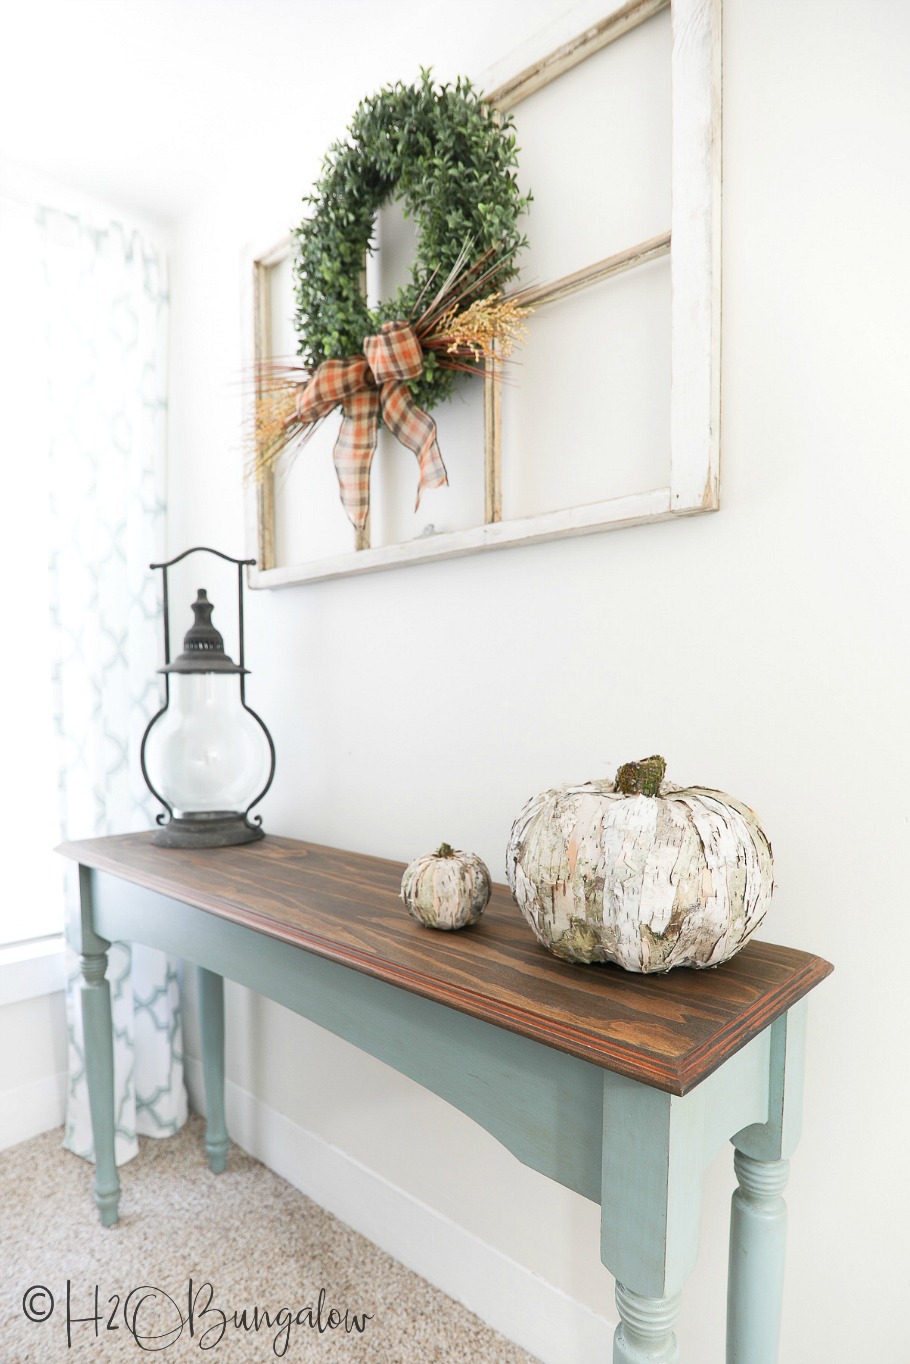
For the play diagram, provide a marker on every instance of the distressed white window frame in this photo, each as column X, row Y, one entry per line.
column 693, row 244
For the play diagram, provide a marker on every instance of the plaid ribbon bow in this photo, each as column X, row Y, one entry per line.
column 366, row 387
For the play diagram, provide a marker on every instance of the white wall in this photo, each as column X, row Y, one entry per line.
column 762, row 650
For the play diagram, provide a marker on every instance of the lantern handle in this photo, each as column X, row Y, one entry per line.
column 228, row 558
column 204, row 549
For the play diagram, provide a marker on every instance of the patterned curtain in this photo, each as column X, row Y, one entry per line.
column 106, row 302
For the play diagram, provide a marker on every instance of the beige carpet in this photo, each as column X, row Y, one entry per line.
column 254, row 1238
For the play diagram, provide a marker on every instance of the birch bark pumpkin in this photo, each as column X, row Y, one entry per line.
column 639, row 871
column 446, row 889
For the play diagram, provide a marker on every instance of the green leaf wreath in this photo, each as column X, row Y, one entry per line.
column 451, row 161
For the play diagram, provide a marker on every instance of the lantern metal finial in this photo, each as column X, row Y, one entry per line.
column 203, row 645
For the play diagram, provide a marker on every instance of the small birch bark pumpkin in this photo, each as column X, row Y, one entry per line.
column 640, row 872
column 446, row 889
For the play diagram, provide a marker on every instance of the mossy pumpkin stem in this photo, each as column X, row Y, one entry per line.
column 642, row 778
column 444, row 850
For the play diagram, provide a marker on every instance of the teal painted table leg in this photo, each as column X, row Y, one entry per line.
column 758, row 1234
column 650, row 1211
column 99, row 1069
column 211, row 1026
column 758, row 1219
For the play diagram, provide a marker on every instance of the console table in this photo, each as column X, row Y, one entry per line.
column 621, row 1087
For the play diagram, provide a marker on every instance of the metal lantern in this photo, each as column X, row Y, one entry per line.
column 206, row 756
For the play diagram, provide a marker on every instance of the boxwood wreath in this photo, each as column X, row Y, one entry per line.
column 452, row 166
column 451, row 161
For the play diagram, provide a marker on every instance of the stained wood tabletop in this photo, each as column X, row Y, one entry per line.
column 668, row 1031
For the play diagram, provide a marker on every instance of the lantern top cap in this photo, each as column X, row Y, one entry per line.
column 203, row 645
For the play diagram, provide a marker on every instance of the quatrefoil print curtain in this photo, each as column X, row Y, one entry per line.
column 107, row 305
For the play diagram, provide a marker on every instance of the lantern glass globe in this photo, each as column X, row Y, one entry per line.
column 207, row 753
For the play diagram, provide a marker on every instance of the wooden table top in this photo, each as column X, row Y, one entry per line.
column 668, row 1031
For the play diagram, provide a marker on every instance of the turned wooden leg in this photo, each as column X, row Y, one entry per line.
column 758, row 1235
column 652, row 1166
column 99, row 1070
column 645, row 1331
column 758, row 1222
column 211, row 1027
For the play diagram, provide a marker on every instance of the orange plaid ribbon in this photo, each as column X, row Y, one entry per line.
column 368, row 387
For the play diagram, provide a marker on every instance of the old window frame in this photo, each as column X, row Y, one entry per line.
column 693, row 244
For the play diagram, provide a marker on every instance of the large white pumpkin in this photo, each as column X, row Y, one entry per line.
column 640, row 872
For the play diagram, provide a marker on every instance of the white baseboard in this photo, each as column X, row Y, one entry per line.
column 32, row 1109
column 517, row 1303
